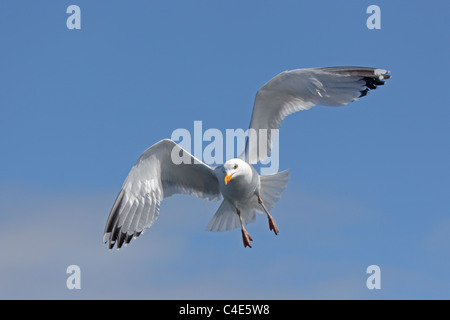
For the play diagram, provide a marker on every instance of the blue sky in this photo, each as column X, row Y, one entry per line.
column 369, row 181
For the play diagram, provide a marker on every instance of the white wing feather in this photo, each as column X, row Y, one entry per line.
column 302, row 89
column 154, row 177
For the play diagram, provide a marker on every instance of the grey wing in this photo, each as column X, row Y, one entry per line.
column 302, row 89
column 154, row 177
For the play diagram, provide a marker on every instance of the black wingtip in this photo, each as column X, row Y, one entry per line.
column 364, row 93
column 111, row 245
column 373, row 81
column 118, row 239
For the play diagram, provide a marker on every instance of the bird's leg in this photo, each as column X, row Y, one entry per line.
column 245, row 236
column 272, row 224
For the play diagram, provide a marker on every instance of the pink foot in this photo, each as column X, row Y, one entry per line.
column 273, row 225
column 246, row 238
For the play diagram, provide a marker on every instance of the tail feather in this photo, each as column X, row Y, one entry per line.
column 272, row 186
column 224, row 219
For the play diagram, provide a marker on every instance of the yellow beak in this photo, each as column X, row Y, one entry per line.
column 228, row 178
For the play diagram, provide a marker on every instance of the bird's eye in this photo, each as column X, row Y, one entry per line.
column 235, row 166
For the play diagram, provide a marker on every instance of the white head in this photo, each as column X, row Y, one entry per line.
column 234, row 168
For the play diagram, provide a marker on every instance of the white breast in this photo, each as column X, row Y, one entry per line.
column 241, row 187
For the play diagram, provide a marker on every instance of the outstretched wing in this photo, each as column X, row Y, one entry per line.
column 302, row 89
column 155, row 176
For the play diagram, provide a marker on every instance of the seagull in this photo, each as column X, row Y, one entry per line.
column 243, row 191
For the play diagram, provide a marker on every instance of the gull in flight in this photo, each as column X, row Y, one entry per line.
column 155, row 176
